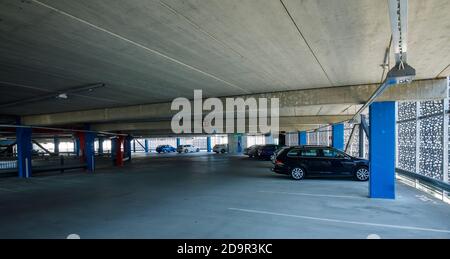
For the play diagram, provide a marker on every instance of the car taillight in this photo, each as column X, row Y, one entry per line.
column 278, row 162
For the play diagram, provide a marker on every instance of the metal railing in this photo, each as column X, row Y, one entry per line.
column 8, row 163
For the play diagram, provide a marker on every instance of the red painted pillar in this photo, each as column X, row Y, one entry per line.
column 119, row 151
column 82, row 139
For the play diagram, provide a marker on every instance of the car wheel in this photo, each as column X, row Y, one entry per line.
column 297, row 173
column 186, row 151
column 362, row 174
column 250, row 156
column 197, row 150
column 222, row 151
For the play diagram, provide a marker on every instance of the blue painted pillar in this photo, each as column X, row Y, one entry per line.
column 127, row 147
column 100, row 145
column 178, row 142
column 302, row 138
column 24, row 150
column 268, row 139
column 89, row 151
column 382, row 116
column 338, row 136
column 56, row 144
column 146, row 145
column 239, row 143
column 114, row 142
column 208, row 144
column 77, row 146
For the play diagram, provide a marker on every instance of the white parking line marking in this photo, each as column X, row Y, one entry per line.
column 7, row 190
column 342, row 221
column 316, row 195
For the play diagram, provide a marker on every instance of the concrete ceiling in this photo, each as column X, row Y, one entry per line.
column 154, row 51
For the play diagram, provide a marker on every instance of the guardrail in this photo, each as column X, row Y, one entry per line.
column 436, row 188
column 8, row 164
column 42, row 164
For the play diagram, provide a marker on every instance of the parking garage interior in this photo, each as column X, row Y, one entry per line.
column 86, row 92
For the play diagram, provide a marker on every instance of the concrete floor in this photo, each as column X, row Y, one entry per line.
column 210, row 196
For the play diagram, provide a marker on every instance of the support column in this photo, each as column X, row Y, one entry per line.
column 268, row 139
column 282, row 139
column 56, row 144
column 127, row 147
column 382, row 145
column 89, row 151
column 134, row 146
column 76, row 145
column 208, row 144
column 100, row 145
column 361, row 141
column 236, row 143
column 445, row 143
column 146, row 145
column 116, row 150
column 82, row 146
column 178, row 142
column 338, row 136
column 24, row 150
column 302, row 138
column 114, row 143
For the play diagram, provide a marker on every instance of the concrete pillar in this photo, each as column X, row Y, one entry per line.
column 302, row 138
column 76, row 145
column 236, row 143
column 100, row 145
column 89, row 151
column 208, row 144
column 361, row 141
column 282, row 139
column 178, row 142
column 116, row 150
column 338, row 136
column 146, row 145
column 114, row 143
column 56, row 144
column 268, row 138
column 127, row 147
column 24, row 150
column 134, row 146
column 382, row 147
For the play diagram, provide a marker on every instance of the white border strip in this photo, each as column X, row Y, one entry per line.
column 343, row 221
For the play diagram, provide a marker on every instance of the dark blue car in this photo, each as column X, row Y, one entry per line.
column 266, row 151
column 165, row 149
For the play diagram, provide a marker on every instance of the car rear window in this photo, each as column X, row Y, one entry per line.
column 294, row 153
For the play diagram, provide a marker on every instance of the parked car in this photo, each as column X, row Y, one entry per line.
column 220, row 148
column 165, row 149
column 266, row 151
column 273, row 157
column 251, row 151
column 187, row 149
column 302, row 161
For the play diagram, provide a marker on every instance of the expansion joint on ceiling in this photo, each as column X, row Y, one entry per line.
column 307, row 43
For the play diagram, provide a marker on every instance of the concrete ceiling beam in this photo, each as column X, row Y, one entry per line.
column 290, row 103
